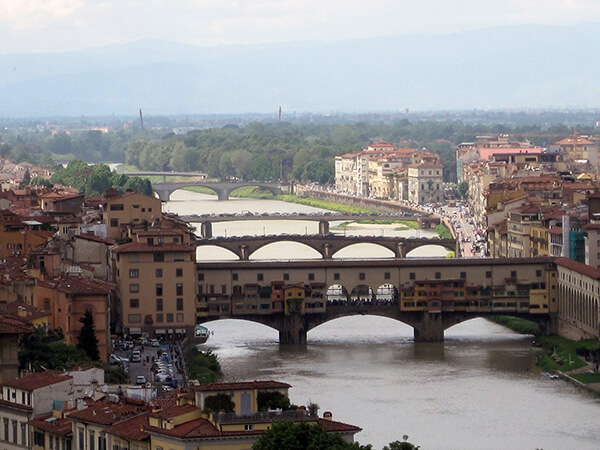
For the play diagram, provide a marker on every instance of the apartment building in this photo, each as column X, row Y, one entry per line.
column 131, row 208
column 426, row 180
column 156, row 283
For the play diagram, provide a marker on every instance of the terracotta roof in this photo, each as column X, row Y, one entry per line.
column 244, row 385
column 555, row 230
column 198, row 428
column 579, row 267
column 29, row 312
column 73, row 284
column 37, row 380
column 575, row 140
column 331, row 425
column 173, row 411
column 91, row 237
column 14, row 325
column 173, row 232
column 107, row 413
column 131, row 429
column 138, row 247
column 62, row 426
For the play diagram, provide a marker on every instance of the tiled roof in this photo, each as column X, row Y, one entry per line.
column 173, row 411
column 107, row 413
column 37, row 380
column 91, row 237
column 198, row 428
column 73, row 284
column 579, row 267
column 30, row 311
column 244, row 385
column 62, row 426
column 172, row 232
column 577, row 140
column 332, row 426
column 137, row 247
column 14, row 325
column 131, row 429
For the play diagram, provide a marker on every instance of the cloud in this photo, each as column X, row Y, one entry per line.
column 34, row 14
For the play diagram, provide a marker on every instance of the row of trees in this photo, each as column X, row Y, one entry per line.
column 301, row 151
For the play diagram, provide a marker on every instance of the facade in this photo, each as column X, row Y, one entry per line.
column 156, row 283
column 129, row 208
column 425, row 183
column 26, row 398
column 11, row 329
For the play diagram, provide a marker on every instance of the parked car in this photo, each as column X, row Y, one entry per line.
column 136, row 356
column 141, row 379
column 155, row 343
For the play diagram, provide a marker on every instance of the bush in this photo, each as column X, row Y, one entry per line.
column 272, row 400
column 203, row 366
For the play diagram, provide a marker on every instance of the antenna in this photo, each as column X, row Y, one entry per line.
column 280, row 114
column 141, row 119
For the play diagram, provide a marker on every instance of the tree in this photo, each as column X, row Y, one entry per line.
column 302, row 436
column 87, row 340
column 462, row 188
column 272, row 400
column 26, row 179
column 397, row 445
column 219, row 403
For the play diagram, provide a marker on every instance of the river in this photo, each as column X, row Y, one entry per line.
column 480, row 389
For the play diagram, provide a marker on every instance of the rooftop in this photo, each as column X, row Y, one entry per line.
column 244, row 385
column 108, row 413
column 37, row 380
column 138, row 247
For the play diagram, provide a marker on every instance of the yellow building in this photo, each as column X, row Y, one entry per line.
column 294, row 295
column 156, row 283
column 130, row 208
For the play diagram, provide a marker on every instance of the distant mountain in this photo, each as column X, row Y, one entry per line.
column 504, row 67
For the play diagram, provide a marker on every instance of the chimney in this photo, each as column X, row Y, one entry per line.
column 327, row 415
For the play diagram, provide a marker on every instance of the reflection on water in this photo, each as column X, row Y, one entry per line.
column 479, row 389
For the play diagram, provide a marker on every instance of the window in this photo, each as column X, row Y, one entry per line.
column 488, row 274
column 211, row 288
column 311, row 277
column 158, row 273
column 201, row 276
column 248, row 427
column 463, row 275
column 24, row 435
column 159, row 318
column 159, row 304
column 361, row 276
column 159, row 289
column 5, row 423
column 234, row 277
column 286, row 276
column 259, row 277
column 223, row 289
column 178, row 256
column 169, row 317
column 135, row 318
column 538, row 273
column 178, row 272
column 101, row 443
column 38, row 439
column 92, row 440
column 179, row 304
column 80, row 440
column 386, row 276
column 438, row 275
column 336, row 276
column 134, row 288
column 134, row 273
column 513, row 274
column 179, row 317
column 134, row 302
column 179, row 289
column 412, row 276
column 47, row 304
column 114, row 223
column 159, row 257
column 150, row 241
column 117, row 207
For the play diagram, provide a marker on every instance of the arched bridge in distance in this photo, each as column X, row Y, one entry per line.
column 326, row 246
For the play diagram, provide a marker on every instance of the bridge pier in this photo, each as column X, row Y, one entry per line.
column 244, row 253
column 400, row 250
column 327, row 252
column 206, row 230
column 222, row 194
column 163, row 194
column 293, row 330
column 428, row 328
column 323, row 227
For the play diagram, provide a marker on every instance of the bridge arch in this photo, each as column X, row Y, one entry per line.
column 336, row 293
column 362, row 294
column 427, row 249
column 386, row 293
column 372, row 250
column 304, row 250
column 215, row 253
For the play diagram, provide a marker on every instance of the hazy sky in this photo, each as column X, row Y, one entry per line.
column 54, row 25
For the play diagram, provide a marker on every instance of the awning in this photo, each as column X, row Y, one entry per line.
column 135, row 330
column 160, row 331
column 180, row 330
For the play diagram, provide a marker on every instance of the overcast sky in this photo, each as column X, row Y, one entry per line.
column 56, row 25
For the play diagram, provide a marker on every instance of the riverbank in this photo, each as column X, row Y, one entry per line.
column 203, row 366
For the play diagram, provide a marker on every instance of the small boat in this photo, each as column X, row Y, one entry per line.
column 201, row 334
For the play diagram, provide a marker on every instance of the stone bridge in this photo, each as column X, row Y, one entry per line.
column 427, row 327
column 326, row 245
column 222, row 188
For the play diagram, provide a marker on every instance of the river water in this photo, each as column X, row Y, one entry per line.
column 480, row 389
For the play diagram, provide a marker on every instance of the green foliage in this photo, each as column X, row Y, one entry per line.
column 98, row 178
column 322, row 204
column 41, row 182
column 558, row 351
column 462, row 188
column 443, row 231
column 517, row 324
column 252, row 192
column 40, row 351
column 114, row 375
column 26, row 179
column 272, row 400
column 587, row 377
column 302, row 436
column 219, row 403
column 203, row 366
column 87, row 340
